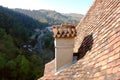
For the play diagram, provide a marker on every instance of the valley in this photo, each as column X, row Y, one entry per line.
column 26, row 44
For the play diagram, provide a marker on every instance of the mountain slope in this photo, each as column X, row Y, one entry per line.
column 18, row 24
column 51, row 17
column 74, row 16
column 16, row 63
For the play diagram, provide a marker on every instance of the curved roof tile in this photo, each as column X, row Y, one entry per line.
column 64, row 31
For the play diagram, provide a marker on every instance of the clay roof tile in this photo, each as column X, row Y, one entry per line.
column 64, row 31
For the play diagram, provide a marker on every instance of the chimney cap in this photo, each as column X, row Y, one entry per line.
column 64, row 31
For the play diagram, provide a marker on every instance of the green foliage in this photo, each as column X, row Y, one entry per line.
column 24, row 66
column 48, row 41
column 11, row 64
column 21, row 68
column 2, row 33
column 48, row 47
column 5, row 21
column 15, row 66
column 7, row 45
column 17, row 24
column 37, row 61
column 3, row 60
column 47, row 55
column 16, row 28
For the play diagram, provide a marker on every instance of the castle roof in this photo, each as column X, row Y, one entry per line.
column 102, row 60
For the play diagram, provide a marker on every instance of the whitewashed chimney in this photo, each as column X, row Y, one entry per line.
column 64, row 44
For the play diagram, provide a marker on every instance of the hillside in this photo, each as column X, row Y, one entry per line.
column 17, row 63
column 51, row 17
column 74, row 16
column 20, row 24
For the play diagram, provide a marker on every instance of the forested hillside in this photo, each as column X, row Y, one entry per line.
column 51, row 17
column 15, row 63
column 17, row 23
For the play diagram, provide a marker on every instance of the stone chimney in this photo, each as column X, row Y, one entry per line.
column 64, row 42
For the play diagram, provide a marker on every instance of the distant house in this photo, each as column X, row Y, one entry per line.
column 37, row 30
column 49, row 28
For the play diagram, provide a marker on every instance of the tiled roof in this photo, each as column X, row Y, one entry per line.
column 102, row 62
column 49, row 70
column 72, row 73
column 50, row 67
column 64, row 30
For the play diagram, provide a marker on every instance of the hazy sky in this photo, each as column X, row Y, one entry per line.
column 63, row 6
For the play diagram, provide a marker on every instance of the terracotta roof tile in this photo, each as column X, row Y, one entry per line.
column 64, row 30
column 72, row 73
column 50, row 67
column 49, row 71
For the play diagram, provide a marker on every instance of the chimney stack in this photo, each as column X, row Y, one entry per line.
column 64, row 43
